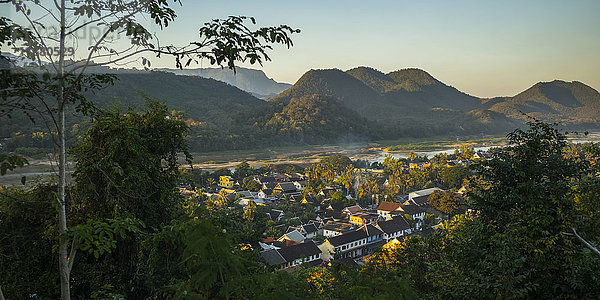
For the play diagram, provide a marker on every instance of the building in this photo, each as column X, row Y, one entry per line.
column 386, row 208
column 286, row 189
column 226, row 182
column 293, row 235
column 309, row 231
column 293, row 256
column 353, row 244
column 333, row 228
column 300, row 184
column 393, row 228
column 421, row 197
column 414, row 211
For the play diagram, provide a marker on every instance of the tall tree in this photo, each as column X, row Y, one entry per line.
column 220, row 41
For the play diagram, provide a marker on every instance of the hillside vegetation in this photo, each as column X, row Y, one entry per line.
column 324, row 106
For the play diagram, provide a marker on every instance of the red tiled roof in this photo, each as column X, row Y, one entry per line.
column 388, row 206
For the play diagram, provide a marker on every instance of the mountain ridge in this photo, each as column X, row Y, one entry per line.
column 383, row 97
column 253, row 81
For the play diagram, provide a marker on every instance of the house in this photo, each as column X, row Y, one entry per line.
column 263, row 179
column 481, row 155
column 248, row 194
column 286, row 189
column 292, row 256
column 414, row 211
column 300, row 184
column 309, row 198
column 353, row 209
column 307, row 230
column 258, row 201
column 353, row 244
column 385, row 208
column 265, row 193
column 421, row 197
column 269, row 185
column 393, row 228
column 275, row 215
column 270, row 243
column 333, row 228
column 226, row 182
column 293, row 235
column 362, row 218
column 307, row 252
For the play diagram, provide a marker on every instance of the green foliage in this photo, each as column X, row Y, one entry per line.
column 27, row 237
column 132, row 159
column 250, row 185
column 340, row 281
column 10, row 162
column 515, row 246
column 453, row 177
column 447, row 202
column 243, row 170
column 97, row 237
column 326, row 170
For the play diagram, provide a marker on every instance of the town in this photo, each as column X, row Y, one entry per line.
column 335, row 210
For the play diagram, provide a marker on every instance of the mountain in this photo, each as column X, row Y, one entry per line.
column 316, row 118
column 409, row 94
column 202, row 100
column 414, row 88
column 351, row 92
column 571, row 103
column 249, row 80
column 411, row 100
column 199, row 98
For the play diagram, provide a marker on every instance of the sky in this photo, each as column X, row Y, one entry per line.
column 483, row 48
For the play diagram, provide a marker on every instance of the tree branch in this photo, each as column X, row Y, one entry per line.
column 72, row 253
column 584, row 242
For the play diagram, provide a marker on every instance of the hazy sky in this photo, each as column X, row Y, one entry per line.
column 484, row 48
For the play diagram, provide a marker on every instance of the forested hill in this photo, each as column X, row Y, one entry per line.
column 557, row 101
column 348, row 90
column 199, row 98
column 410, row 95
column 249, row 80
column 328, row 106
column 220, row 116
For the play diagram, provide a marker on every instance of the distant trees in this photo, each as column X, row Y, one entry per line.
column 447, row 202
column 327, row 170
column 243, row 170
column 250, row 184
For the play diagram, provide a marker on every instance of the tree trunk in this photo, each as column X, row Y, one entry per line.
column 63, row 259
column 1, row 295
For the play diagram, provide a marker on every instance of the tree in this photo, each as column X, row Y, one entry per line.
column 453, row 177
column 250, row 184
column 220, row 41
column 447, row 202
column 514, row 243
column 243, row 170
